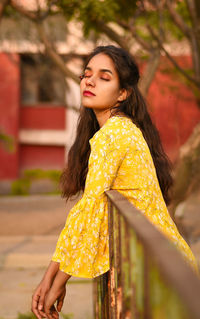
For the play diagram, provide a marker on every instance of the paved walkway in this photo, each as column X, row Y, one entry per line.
column 29, row 230
column 17, row 285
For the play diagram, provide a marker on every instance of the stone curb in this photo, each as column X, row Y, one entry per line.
column 26, row 252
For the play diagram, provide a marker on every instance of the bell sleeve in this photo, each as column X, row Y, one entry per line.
column 83, row 245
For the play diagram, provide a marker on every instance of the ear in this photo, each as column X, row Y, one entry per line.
column 124, row 93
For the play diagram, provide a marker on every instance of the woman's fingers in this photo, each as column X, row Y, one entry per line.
column 34, row 306
column 49, row 308
column 41, row 303
column 60, row 301
column 38, row 301
column 59, row 305
column 52, row 313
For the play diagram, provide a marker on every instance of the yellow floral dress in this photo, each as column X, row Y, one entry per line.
column 120, row 159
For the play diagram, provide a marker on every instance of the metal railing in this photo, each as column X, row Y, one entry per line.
column 148, row 278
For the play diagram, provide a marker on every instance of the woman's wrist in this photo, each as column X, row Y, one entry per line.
column 61, row 279
column 51, row 272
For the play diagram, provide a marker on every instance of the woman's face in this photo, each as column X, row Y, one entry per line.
column 100, row 85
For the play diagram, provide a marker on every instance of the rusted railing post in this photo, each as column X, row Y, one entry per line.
column 148, row 278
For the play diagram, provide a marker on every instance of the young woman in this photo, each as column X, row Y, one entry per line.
column 116, row 147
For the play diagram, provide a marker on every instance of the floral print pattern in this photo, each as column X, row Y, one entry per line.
column 120, row 159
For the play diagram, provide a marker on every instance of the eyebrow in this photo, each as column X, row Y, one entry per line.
column 101, row 70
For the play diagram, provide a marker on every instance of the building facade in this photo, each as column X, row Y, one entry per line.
column 36, row 104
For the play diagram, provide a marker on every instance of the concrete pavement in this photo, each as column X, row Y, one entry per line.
column 26, row 251
column 29, row 230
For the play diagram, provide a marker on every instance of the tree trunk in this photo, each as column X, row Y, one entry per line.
column 187, row 173
column 194, row 10
column 149, row 72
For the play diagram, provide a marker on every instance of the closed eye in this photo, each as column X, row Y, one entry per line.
column 81, row 77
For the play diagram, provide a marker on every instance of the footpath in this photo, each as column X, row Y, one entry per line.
column 29, row 229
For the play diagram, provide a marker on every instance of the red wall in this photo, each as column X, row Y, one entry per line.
column 42, row 117
column 9, row 113
column 173, row 106
column 41, row 156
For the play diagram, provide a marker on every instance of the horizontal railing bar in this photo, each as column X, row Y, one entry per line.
column 171, row 264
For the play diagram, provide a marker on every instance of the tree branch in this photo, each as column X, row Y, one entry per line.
column 3, row 4
column 39, row 15
column 112, row 34
column 187, row 76
column 149, row 72
column 131, row 28
column 159, row 6
column 195, row 35
column 186, row 177
column 74, row 55
column 50, row 50
column 30, row 15
column 192, row 11
column 178, row 19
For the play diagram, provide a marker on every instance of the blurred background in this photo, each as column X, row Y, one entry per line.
column 43, row 45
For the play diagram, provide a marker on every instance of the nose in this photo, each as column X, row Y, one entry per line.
column 90, row 81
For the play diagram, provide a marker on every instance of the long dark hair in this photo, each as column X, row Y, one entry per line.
column 74, row 175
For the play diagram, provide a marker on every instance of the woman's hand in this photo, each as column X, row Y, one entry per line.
column 56, row 292
column 42, row 289
column 38, row 299
column 50, row 299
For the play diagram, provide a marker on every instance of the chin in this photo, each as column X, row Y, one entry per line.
column 87, row 103
column 87, row 106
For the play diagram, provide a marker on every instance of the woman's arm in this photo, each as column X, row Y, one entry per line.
column 43, row 288
column 82, row 248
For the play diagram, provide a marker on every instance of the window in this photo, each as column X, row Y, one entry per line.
column 41, row 81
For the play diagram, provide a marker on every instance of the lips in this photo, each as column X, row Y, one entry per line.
column 88, row 93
